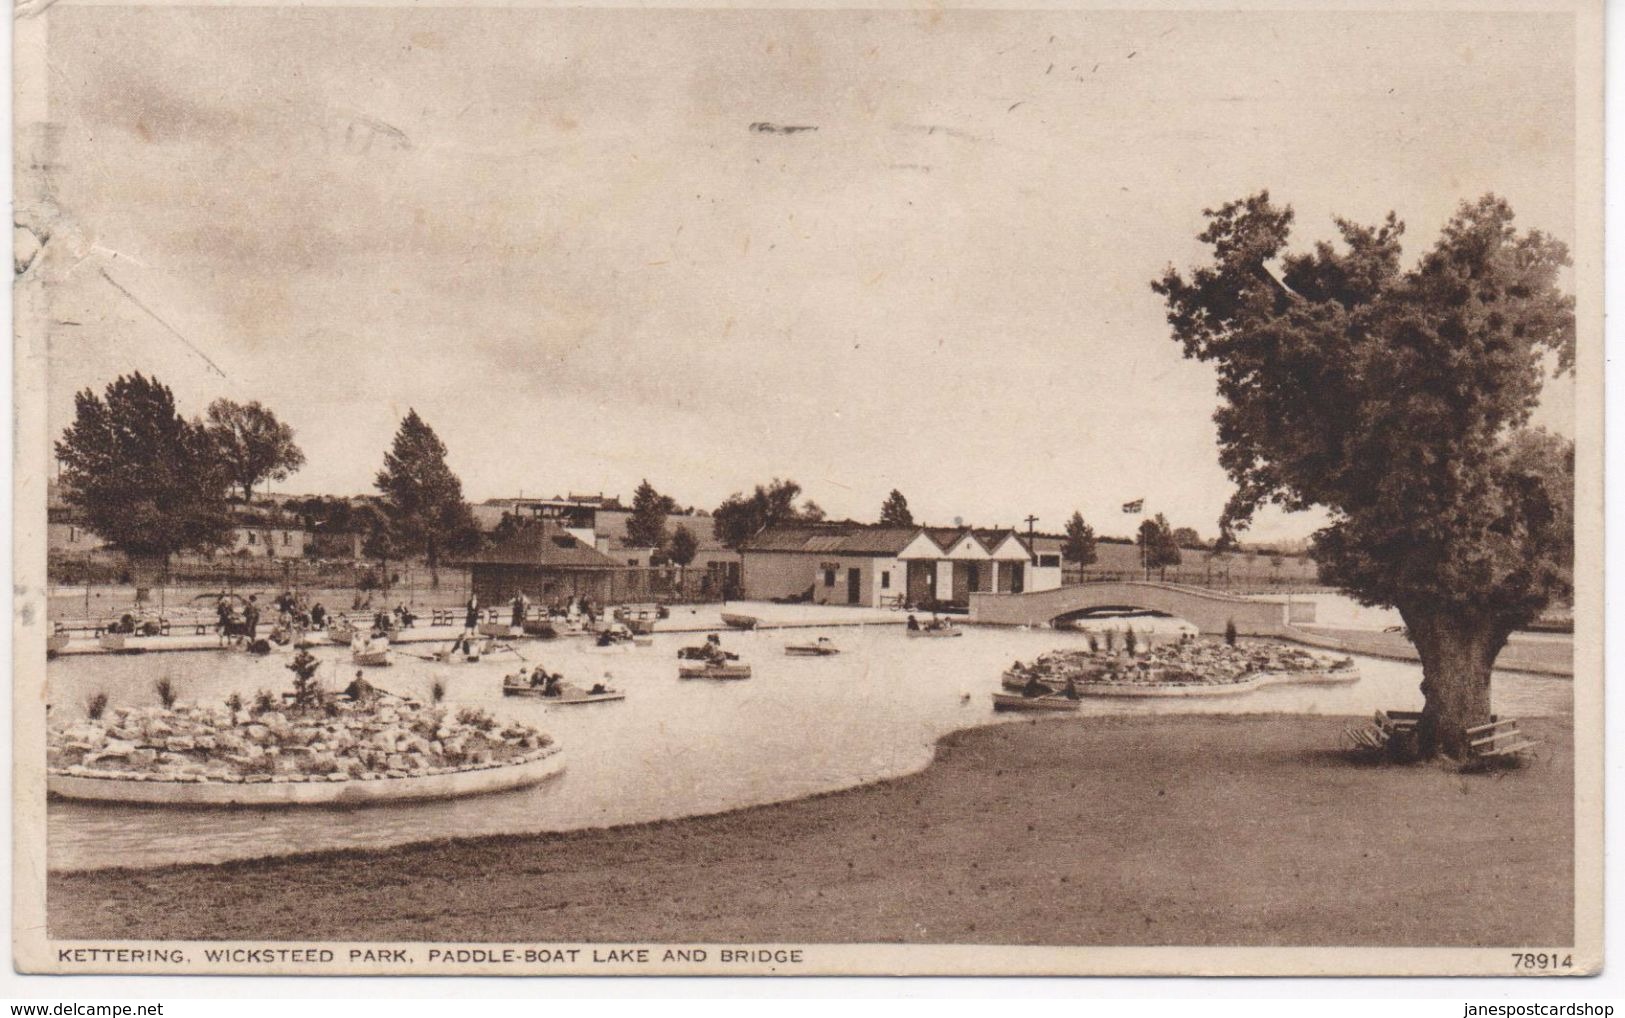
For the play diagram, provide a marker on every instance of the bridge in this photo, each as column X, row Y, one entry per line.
column 1207, row 610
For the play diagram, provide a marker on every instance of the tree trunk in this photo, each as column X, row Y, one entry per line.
column 1458, row 651
column 434, row 567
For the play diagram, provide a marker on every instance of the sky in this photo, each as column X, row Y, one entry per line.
column 558, row 237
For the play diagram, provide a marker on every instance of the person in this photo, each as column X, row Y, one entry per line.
column 598, row 689
column 551, row 687
column 471, row 618
column 251, row 618
column 606, row 638
column 1035, row 687
column 360, row 689
column 1071, row 691
column 318, row 616
column 380, row 623
column 913, row 623
column 222, row 612
column 519, row 610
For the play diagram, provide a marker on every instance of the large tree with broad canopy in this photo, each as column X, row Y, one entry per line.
column 1398, row 400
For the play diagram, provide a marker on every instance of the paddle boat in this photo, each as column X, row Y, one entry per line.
column 372, row 653
column 564, row 693
column 822, row 647
column 464, row 650
column 937, row 628
column 342, row 632
column 746, row 622
column 1048, row 702
column 709, row 670
column 118, row 643
column 56, row 643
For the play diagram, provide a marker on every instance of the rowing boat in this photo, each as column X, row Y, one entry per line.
column 823, row 648
column 714, row 670
column 937, row 631
column 740, row 621
column 568, row 694
column 1009, row 701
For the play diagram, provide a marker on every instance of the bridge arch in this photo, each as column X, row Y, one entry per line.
column 1208, row 610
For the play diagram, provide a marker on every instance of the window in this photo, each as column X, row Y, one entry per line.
column 885, row 580
column 287, row 538
column 1049, row 561
column 73, row 535
column 829, row 577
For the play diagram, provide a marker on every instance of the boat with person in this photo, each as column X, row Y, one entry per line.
column 563, row 693
column 371, row 653
column 720, row 670
column 745, row 622
column 822, row 647
column 936, row 628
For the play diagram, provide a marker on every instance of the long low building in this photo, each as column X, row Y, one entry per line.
column 851, row 564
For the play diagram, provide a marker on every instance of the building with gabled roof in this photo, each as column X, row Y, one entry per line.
column 853, row 564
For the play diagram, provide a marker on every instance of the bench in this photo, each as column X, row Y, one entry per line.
column 1499, row 740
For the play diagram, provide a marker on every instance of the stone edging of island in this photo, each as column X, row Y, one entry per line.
column 90, row 784
column 1258, row 680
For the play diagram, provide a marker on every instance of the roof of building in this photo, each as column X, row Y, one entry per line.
column 833, row 540
column 541, row 547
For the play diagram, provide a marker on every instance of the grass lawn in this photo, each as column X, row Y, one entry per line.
column 1251, row 830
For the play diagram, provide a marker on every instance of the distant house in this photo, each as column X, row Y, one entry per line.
column 872, row 565
column 600, row 522
column 544, row 562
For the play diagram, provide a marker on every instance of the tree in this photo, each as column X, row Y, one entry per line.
column 1080, row 541
column 682, row 549
column 1187, row 537
column 253, row 444
column 1398, row 400
column 1158, row 549
column 894, row 511
column 146, row 480
column 646, row 528
column 422, row 499
column 740, row 517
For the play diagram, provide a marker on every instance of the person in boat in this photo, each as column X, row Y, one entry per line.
column 1035, row 687
column 318, row 616
column 913, row 623
column 1071, row 690
column 551, row 686
column 360, row 690
column 598, row 689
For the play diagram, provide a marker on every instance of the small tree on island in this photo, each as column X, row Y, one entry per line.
column 1398, row 400
column 1079, row 546
column 254, row 446
column 304, row 666
column 145, row 479
column 894, row 512
column 422, row 499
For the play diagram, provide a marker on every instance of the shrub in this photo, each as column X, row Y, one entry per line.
column 264, row 703
column 96, row 706
column 477, row 719
column 234, row 703
column 167, row 693
column 437, row 692
column 1131, row 642
column 1230, row 632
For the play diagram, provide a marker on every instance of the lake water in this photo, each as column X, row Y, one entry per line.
column 672, row 748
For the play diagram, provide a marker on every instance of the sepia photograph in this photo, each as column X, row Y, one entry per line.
column 523, row 490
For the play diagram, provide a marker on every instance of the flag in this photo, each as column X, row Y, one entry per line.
column 1134, row 506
